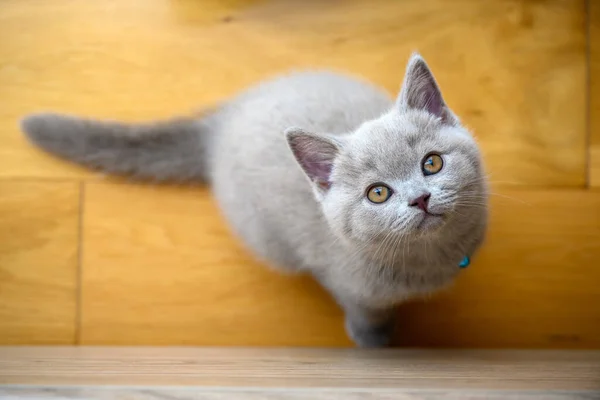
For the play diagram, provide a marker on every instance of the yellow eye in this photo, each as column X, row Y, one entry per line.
column 432, row 164
column 378, row 193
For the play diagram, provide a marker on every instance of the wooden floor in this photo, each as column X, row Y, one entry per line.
column 323, row 374
column 88, row 259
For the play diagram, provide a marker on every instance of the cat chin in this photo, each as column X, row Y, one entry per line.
column 430, row 224
column 426, row 228
column 423, row 226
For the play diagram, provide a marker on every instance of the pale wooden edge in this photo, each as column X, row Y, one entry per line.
column 194, row 392
column 231, row 367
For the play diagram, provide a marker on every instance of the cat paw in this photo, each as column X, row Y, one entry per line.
column 371, row 336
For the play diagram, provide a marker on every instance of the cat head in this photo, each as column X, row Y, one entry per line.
column 413, row 172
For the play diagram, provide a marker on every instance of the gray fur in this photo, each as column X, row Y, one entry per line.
column 163, row 151
column 289, row 162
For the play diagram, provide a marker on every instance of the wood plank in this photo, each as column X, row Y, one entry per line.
column 259, row 368
column 161, row 393
column 38, row 262
column 514, row 70
column 594, row 92
column 534, row 284
column 161, row 268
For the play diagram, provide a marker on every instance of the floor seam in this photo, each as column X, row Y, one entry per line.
column 588, row 95
column 78, row 290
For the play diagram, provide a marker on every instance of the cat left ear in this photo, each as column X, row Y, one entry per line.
column 315, row 154
column 420, row 91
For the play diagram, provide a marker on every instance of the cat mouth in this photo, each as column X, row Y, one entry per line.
column 430, row 221
column 423, row 221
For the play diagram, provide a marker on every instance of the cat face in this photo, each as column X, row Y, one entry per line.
column 414, row 172
column 404, row 174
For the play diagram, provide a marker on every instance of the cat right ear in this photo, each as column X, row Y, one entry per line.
column 315, row 154
column 420, row 91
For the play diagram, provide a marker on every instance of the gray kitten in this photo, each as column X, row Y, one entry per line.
column 316, row 172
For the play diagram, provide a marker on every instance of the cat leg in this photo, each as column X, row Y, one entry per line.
column 366, row 326
column 369, row 327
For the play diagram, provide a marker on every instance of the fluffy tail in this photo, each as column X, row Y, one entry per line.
column 174, row 150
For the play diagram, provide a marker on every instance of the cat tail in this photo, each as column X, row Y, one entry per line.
column 171, row 150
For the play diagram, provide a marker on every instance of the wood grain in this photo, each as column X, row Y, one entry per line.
column 161, row 268
column 533, row 284
column 514, row 70
column 38, row 262
column 159, row 265
column 301, row 368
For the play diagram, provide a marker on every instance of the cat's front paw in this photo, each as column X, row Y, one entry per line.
column 370, row 336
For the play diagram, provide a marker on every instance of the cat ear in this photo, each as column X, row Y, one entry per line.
column 420, row 91
column 315, row 154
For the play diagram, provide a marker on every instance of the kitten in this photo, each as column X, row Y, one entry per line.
column 379, row 200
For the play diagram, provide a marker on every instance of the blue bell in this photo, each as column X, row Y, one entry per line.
column 465, row 262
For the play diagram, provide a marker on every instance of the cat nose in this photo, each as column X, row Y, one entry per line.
column 422, row 201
